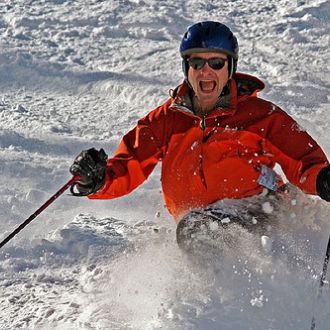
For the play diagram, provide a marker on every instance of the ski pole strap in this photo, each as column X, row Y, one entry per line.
column 79, row 192
column 40, row 209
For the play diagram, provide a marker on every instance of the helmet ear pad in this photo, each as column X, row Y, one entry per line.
column 185, row 66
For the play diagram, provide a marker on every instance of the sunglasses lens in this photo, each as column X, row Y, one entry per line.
column 196, row 63
column 216, row 63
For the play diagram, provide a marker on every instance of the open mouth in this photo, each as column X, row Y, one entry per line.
column 207, row 86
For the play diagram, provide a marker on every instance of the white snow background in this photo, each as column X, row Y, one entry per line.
column 77, row 74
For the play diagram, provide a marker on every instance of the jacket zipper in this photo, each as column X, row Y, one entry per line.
column 202, row 123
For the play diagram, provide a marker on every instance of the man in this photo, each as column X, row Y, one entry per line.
column 216, row 139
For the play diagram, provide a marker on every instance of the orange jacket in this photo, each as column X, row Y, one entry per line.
column 220, row 156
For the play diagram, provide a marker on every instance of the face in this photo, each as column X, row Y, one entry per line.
column 208, row 83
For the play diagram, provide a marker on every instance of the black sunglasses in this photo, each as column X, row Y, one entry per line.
column 215, row 63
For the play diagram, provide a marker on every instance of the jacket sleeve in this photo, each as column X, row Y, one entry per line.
column 300, row 157
column 137, row 155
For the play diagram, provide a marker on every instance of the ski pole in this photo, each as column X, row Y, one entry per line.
column 40, row 209
column 322, row 279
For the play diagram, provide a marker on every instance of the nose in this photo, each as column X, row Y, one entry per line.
column 206, row 68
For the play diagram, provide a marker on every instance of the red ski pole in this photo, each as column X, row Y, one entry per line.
column 40, row 209
column 322, row 279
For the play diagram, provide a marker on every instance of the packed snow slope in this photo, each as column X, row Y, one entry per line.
column 77, row 74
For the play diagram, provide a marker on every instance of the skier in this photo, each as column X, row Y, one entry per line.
column 218, row 143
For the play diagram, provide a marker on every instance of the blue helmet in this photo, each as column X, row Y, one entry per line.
column 209, row 36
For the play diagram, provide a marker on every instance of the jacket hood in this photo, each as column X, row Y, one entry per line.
column 247, row 84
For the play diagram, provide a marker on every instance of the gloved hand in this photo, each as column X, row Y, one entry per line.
column 90, row 165
column 323, row 183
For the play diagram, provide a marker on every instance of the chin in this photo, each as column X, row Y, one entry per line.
column 209, row 99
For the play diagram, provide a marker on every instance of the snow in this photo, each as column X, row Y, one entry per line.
column 77, row 74
column 266, row 243
column 267, row 208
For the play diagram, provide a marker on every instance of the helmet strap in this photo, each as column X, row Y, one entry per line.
column 231, row 68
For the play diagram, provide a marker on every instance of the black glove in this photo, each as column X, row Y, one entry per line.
column 323, row 183
column 90, row 165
